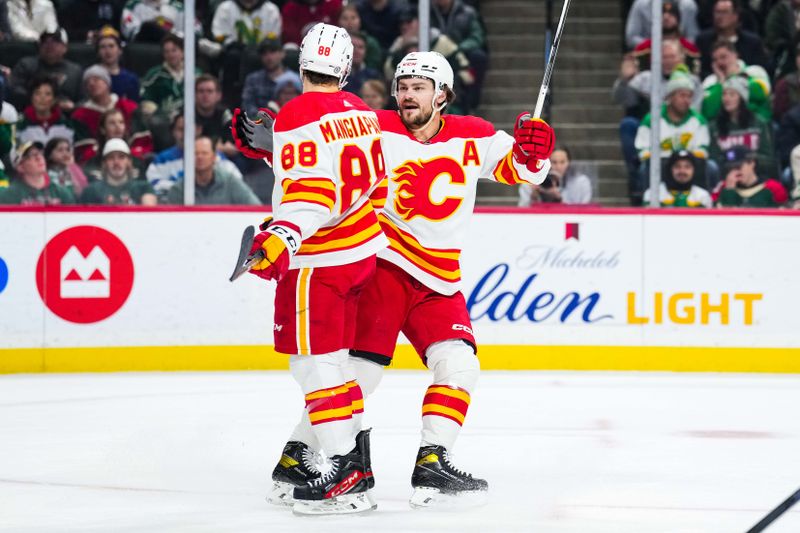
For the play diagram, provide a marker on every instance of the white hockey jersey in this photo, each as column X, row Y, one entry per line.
column 233, row 24
column 432, row 188
column 328, row 161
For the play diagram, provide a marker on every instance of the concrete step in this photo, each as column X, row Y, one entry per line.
column 528, row 8
column 511, row 59
column 505, row 113
column 588, row 96
column 595, row 149
column 531, row 79
column 609, row 43
column 575, row 26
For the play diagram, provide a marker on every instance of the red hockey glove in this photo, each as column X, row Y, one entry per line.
column 275, row 243
column 534, row 141
column 253, row 137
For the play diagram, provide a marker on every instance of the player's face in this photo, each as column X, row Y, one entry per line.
column 415, row 100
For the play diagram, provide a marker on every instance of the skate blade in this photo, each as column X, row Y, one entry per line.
column 281, row 494
column 359, row 502
column 434, row 499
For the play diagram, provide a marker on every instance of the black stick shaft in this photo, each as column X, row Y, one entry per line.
column 775, row 513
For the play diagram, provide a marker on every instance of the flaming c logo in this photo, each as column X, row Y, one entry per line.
column 414, row 181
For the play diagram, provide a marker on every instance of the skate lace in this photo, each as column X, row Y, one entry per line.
column 310, row 460
column 449, row 463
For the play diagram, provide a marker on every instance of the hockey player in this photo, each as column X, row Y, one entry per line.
column 320, row 246
column 435, row 162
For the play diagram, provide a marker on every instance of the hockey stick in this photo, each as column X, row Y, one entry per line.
column 245, row 261
column 551, row 61
column 775, row 513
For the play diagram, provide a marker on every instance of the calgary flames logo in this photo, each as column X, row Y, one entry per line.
column 414, row 181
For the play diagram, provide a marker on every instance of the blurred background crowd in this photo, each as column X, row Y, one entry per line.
column 92, row 94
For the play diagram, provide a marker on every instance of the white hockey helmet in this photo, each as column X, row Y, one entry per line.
column 327, row 49
column 429, row 65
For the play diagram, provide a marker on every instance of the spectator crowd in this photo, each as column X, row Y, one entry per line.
column 92, row 91
column 730, row 114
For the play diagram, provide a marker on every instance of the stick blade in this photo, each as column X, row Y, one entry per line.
column 244, row 250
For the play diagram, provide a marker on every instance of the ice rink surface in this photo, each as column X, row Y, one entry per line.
column 563, row 453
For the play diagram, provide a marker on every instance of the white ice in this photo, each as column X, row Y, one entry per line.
column 563, row 453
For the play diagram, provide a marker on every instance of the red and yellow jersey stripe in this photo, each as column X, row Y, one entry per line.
column 329, row 405
column 319, row 191
column 446, row 401
column 442, row 264
column 505, row 172
column 357, row 228
column 378, row 196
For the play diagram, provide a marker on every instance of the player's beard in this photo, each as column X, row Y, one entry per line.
column 418, row 120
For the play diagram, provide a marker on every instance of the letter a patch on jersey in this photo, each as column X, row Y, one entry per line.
column 470, row 154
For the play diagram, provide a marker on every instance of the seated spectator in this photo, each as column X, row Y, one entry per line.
column 359, row 71
column 407, row 42
column 639, row 22
column 787, row 142
column 117, row 185
column 671, row 31
column 213, row 184
column 151, row 20
column 167, row 167
column 682, row 128
column 29, row 19
column 381, row 19
column 374, row 94
column 780, row 35
column 461, row 23
column 49, row 62
column 726, row 64
column 787, row 90
column 214, row 118
column 350, row 20
column 61, row 166
column 8, row 121
column 287, row 87
column 736, row 125
column 43, row 119
column 742, row 186
column 97, row 83
column 748, row 45
column 677, row 189
column 32, row 186
column 564, row 185
column 297, row 14
column 114, row 126
column 259, row 86
column 162, row 86
column 124, row 83
column 84, row 19
column 239, row 26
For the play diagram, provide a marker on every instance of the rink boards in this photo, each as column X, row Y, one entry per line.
column 107, row 290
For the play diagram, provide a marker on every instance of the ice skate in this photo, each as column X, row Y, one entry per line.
column 343, row 489
column 437, row 482
column 296, row 467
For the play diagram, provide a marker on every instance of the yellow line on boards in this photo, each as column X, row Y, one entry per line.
column 497, row 357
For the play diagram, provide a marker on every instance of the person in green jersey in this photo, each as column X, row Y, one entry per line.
column 32, row 186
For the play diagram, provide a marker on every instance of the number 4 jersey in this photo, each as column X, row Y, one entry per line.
column 327, row 162
column 431, row 192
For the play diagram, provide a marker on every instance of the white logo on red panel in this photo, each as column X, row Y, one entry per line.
column 84, row 274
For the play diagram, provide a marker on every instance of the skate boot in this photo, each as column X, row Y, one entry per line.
column 436, row 481
column 295, row 468
column 341, row 490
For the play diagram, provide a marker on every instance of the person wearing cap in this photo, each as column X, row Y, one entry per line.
column 33, row 186
column 49, row 62
column 259, row 86
column 727, row 27
column 742, row 186
column 737, row 125
column 213, row 185
column 29, row 19
column 682, row 128
column 671, row 31
column 726, row 64
column 677, row 188
column 639, row 21
column 117, row 186
column 97, row 82
column 108, row 45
